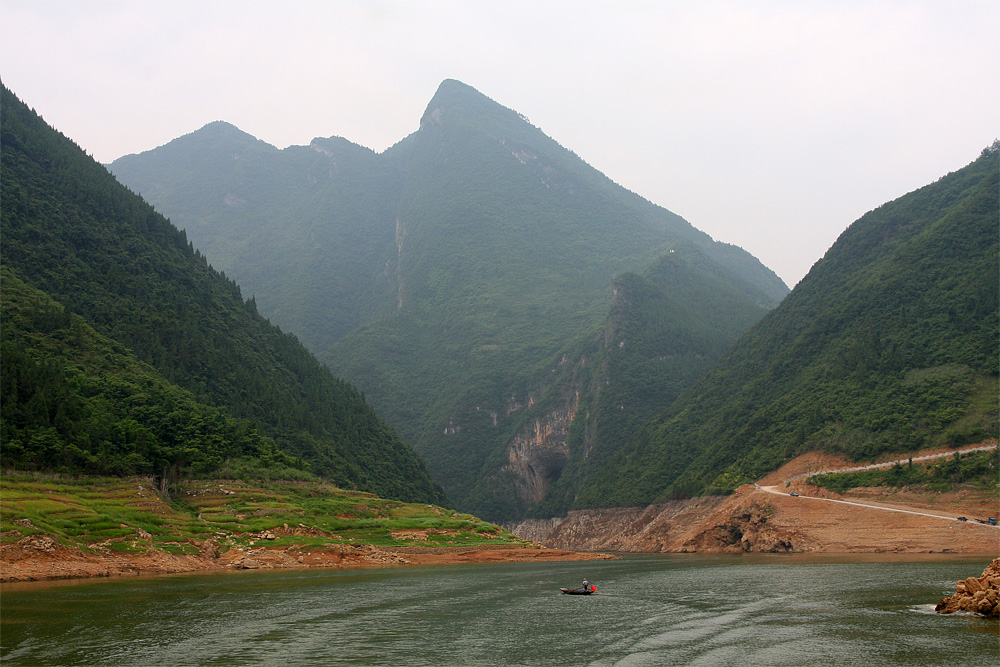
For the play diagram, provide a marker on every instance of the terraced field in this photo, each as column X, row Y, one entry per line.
column 130, row 515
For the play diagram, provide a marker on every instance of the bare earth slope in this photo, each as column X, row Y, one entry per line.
column 763, row 517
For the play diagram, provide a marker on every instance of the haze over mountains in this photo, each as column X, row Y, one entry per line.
column 512, row 312
column 124, row 353
column 527, row 324
column 545, row 339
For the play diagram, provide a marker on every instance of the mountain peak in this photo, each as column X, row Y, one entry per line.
column 220, row 130
column 454, row 91
column 219, row 126
column 209, row 137
column 455, row 101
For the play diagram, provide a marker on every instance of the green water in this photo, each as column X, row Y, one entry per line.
column 649, row 610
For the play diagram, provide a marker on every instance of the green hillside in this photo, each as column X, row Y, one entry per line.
column 460, row 278
column 308, row 230
column 103, row 515
column 666, row 328
column 77, row 402
column 125, row 352
column 888, row 345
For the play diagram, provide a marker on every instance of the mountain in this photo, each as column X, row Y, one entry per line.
column 666, row 328
column 465, row 278
column 888, row 345
column 124, row 352
column 308, row 230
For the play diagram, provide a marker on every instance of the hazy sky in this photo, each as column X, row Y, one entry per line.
column 769, row 125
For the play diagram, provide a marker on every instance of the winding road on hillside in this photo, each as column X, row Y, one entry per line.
column 774, row 489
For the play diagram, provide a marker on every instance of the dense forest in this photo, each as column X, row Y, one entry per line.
column 75, row 401
column 890, row 344
column 464, row 279
column 124, row 351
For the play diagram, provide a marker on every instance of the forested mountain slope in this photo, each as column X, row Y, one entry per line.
column 507, row 247
column 888, row 345
column 476, row 277
column 465, row 278
column 666, row 328
column 125, row 352
column 462, row 278
column 308, row 230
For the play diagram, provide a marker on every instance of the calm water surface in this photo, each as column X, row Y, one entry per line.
column 649, row 610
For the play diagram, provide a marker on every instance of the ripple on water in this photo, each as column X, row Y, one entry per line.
column 648, row 611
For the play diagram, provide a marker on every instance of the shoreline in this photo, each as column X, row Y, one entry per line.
column 445, row 556
column 41, row 559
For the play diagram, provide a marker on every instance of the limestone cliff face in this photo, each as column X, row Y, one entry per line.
column 539, row 452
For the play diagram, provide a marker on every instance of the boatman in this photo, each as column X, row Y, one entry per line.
column 586, row 585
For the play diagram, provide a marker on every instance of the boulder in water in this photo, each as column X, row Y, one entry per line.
column 977, row 595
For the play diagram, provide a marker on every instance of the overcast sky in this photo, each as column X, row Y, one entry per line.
column 770, row 125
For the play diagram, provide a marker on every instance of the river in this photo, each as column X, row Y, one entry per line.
column 648, row 610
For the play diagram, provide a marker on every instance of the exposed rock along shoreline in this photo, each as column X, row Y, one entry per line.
column 758, row 518
column 767, row 518
column 757, row 521
column 977, row 595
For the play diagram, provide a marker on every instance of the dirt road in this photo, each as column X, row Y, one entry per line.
column 871, row 505
column 878, row 506
column 766, row 517
column 889, row 464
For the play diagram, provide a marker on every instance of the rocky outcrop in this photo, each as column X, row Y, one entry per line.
column 655, row 529
column 747, row 529
column 534, row 530
column 708, row 524
column 976, row 595
column 537, row 455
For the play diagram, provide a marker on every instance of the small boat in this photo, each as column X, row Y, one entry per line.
column 577, row 591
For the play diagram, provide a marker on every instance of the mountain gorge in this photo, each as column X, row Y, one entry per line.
column 511, row 311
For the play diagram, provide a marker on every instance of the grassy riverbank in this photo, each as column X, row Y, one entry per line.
column 129, row 515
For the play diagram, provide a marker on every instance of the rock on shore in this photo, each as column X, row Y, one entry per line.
column 977, row 595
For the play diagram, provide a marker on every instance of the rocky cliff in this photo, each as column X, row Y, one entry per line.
column 539, row 452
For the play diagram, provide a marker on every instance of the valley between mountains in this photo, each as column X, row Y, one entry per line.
column 368, row 355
